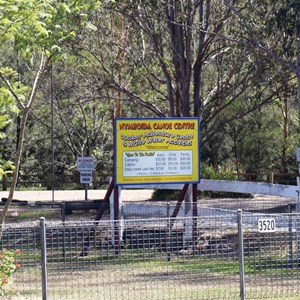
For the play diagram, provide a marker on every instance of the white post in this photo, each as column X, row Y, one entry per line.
column 121, row 219
column 44, row 258
column 188, row 229
column 241, row 254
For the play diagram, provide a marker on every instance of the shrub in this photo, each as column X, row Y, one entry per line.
column 207, row 172
column 164, row 195
column 220, row 173
column 8, row 267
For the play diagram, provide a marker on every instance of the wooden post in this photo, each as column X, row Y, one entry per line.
column 178, row 204
column 271, row 177
column 102, row 207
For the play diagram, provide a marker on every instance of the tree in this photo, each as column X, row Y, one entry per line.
column 37, row 31
column 184, row 54
column 159, row 58
column 272, row 34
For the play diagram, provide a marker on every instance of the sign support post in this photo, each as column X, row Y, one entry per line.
column 86, row 191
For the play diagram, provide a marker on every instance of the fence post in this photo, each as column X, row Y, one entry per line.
column 44, row 258
column 297, row 224
column 168, row 234
column 271, row 177
column 291, row 255
column 241, row 254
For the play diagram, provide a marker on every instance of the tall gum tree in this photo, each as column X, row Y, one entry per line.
column 276, row 37
column 179, row 51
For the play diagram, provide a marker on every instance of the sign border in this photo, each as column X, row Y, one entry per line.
column 153, row 182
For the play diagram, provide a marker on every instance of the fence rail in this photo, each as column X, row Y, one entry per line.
column 58, row 211
column 34, row 180
column 217, row 257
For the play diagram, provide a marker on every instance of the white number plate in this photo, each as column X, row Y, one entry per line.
column 266, row 225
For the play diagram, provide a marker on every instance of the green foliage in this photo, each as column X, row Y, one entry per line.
column 43, row 25
column 6, row 168
column 21, row 91
column 32, row 34
column 221, row 173
column 282, row 19
column 4, row 121
column 7, row 102
column 8, row 267
column 122, row 52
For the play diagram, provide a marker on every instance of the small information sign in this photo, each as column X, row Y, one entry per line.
column 86, row 177
column 86, row 163
column 266, row 225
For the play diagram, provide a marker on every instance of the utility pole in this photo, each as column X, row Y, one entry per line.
column 297, row 12
column 52, row 132
column 298, row 203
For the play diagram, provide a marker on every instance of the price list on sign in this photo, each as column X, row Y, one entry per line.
column 157, row 163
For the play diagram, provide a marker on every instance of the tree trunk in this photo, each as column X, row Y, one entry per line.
column 4, row 182
column 25, row 113
column 285, row 134
column 17, row 164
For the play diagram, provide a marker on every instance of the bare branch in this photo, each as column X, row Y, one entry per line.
column 37, row 81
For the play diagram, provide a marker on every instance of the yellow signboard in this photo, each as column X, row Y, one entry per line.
column 151, row 151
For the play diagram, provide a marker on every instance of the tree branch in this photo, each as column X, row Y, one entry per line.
column 22, row 106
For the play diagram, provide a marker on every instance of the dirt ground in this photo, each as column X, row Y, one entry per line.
column 271, row 204
column 70, row 195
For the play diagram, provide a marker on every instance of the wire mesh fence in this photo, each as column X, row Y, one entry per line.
column 158, row 258
column 271, row 255
column 87, row 210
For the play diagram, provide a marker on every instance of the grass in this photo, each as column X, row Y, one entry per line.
column 31, row 188
column 144, row 260
column 33, row 215
column 65, row 187
column 146, row 274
